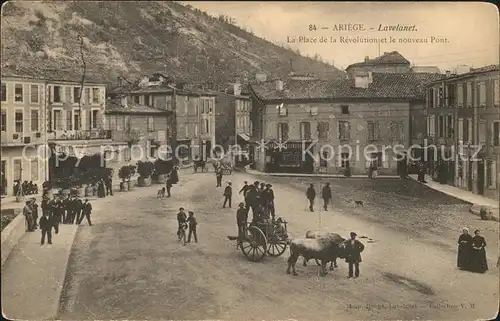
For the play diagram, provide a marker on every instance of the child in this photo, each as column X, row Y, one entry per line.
column 192, row 227
column 182, row 220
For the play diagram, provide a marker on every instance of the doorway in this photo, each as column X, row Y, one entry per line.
column 480, row 177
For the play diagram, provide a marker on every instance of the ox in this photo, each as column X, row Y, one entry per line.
column 322, row 249
column 334, row 236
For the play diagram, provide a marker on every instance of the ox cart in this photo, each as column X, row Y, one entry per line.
column 261, row 238
column 200, row 164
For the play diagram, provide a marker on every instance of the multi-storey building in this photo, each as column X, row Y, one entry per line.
column 389, row 62
column 23, row 130
column 318, row 117
column 463, row 121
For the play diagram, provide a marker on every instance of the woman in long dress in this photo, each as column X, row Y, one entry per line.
column 478, row 261
column 101, row 191
column 464, row 249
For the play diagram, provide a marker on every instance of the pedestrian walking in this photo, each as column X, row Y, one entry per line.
column 109, row 185
column 168, row 184
column 326, row 194
column 464, row 249
column 86, row 211
column 46, row 228
column 192, row 227
column 241, row 220
column 311, row 195
column 228, row 193
column 28, row 216
column 353, row 250
column 78, row 209
column 218, row 176
column 478, row 262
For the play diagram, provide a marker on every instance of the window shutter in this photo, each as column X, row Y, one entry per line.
column 494, row 173
column 385, row 163
column 460, row 129
column 69, row 119
column 89, row 120
column 469, row 130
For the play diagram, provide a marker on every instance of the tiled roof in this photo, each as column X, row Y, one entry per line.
column 114, row 107
column 384, row 86
column 472, row 72
column 386, row 59
column 52, row 74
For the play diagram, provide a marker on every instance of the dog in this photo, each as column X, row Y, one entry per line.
column 161, row 193
column 359, row 203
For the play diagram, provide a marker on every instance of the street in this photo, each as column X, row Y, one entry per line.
column 130, row 266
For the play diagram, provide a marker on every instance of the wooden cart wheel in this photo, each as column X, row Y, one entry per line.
column 255, row 245
column 276, row 247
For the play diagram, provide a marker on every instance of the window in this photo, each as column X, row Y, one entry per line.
column 323, row 161
column 373, row 131
column 147, row 100
column 441, row 125
column 3, row 120
column 283, row 132
column 207, row 126
column 4, row 92
column 451, row 95
column 205, row 106
column 57, row 119
column 69, row 120
column 344, row 160
column 57, row 94
column 396, row 129
column 186, row 130
column 17, row 169
column 460, row 95
column 77, row 118
column 440, row 97
column 87, row 96
column 482, row 132
column 19, row 119
column 76, row 94
column 495, row 131
column 18, row 93
column 323, row 129
column 344, row 109
column 344, row 130
column 469, row 129
column 151, row 124
column 136, row 99
column 496, row 92
column 469, row 94
column 35, row 122
column 305, row 130
column 430, row 98
column 94, row 118
column 196, row 129
column 450, row 126
column 376, row 159
column 210, row 106
column 96, row 93
column 126, row 122
column 482, row 94
column 34, row 94
column 460, row 129
column 34, row 170
column 490, row 173
column 414, row 127
column 431, row 126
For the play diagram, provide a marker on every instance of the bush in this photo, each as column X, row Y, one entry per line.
column 162, row 167
column 145, row 169
column 126, row 172
column 6, row 219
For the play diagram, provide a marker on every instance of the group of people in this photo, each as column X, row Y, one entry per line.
column 326, row 195
column 186, row 222
column 260, row 198
column 55, row 211
column 25, row 188
column 471, row 252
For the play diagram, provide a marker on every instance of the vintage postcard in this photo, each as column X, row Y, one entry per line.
column 202, row 160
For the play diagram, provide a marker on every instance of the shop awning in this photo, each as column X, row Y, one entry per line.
column 245, row 137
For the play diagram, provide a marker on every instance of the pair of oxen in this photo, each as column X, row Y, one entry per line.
column 323, row 247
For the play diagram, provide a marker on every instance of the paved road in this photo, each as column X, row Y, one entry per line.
column 129, row 266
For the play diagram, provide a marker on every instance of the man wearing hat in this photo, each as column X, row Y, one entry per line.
column 86, row 211
column 269, row 199
column 326, row 194
column 241, row 219
column 228, row 193
column 353, row 250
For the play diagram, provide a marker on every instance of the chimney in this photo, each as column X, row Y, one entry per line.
column 237, row 89
column 386, row 53
column 367, row 58
column 370, row 77
column 448, row 73
column 119, row 81
column 279, row 85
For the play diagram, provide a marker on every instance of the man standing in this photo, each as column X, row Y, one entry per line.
column 46, row 228
column 56, row 214
column 353, row 254
column 28, row 216
column 34, row 207
column 421, row 172
column 192, row 227
column 78, row 210
column 311, row 195
column 253, row 198
column 218, row 176
column 326, row 194
column 228, row 193
column 109, row 185
column 244, row 189
column 86, row 211
column 241, row 220
column 169, row 184
column 269, row 197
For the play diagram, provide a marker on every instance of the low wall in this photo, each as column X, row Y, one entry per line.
column 11, row 236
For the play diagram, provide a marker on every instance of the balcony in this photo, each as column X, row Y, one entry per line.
column 79, row 134
column 20, row 139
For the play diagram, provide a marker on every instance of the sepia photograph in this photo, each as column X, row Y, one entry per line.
column 250, row 160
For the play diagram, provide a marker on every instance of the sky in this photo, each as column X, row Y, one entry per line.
column 471, row 29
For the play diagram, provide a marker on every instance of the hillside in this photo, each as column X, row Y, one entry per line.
column 131, row 39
